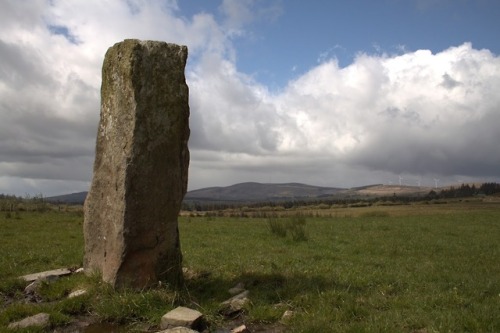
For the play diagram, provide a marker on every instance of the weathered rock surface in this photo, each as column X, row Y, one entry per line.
column 182, row 316
column 141, row 166
column 40, row 319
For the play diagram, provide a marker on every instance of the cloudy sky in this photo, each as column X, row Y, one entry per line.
column 335, row 93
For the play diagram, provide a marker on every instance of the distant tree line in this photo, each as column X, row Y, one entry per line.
column 464, row 191
column 10, row 203
column 37, row 202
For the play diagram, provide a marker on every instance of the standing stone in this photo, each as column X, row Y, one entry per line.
column 141, row 166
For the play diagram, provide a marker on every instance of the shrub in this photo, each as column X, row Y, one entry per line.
column 277, row 226
column 295, row 225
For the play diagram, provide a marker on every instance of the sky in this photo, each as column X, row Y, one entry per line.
column 332, row 93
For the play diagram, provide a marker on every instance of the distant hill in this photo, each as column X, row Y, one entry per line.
column 73, row 198
column 242, row 192
column 260, row 192
column 255, row 192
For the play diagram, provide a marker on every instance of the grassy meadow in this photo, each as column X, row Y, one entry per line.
column 410, row 268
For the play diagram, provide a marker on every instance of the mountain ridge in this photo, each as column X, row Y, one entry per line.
column 253, row 191
column 259, row 192
column 241, row 192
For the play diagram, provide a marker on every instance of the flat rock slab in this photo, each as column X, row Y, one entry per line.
column 43, row 275
column 181, row 316
column 178, row 330
column 41, row 319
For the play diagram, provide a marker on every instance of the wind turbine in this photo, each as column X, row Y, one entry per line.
column 418, row 183
column 436, row 181
column 400, row 180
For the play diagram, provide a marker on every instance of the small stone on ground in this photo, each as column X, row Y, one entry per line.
column 287, row 315
column 239, row 288
column 240, row 329
column 77, row 293
column 178, row 330
column 235, row 304
column 41, row 319
column 181, row 316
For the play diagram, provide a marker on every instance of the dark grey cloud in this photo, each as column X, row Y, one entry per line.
column 21, row 66
column 468, row 149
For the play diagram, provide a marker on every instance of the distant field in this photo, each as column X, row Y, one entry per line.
column 411, row 268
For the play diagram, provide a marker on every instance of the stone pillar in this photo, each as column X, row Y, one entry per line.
column 141, row 166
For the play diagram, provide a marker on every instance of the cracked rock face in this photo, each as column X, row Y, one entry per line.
column 141, row 166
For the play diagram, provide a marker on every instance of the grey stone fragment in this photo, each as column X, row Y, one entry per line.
column 76, row 293
column 32, row 290
column 140, row 168
column 46, row 274
column 235, row 304
column 240, row 329
column 178, row 330
column 40, row 319
column 32, row 287
column 181, row 316
column 239, row 288
column 287, row 315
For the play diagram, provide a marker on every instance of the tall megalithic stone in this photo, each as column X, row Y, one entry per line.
column 141, row 166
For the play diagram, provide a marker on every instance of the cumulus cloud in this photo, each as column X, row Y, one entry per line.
column 414, row 114
column 417, row 114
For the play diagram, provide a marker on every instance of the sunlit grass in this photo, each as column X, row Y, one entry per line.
column 434, row 270
column 374, row 269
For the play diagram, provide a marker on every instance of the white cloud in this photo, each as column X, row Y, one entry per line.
column 418, row 113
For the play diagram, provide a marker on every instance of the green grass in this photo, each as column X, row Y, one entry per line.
column 427, row 268
column 432, row 269
column 37, row 241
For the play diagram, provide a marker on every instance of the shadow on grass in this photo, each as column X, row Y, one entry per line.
column 270, row 288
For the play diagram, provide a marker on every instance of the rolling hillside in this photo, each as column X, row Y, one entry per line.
column 261, row 192
column 255, row 192
column 242, row 192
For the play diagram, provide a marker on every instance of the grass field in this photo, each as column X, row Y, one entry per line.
column 413, row 268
